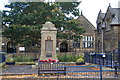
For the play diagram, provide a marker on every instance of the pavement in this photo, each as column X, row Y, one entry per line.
column 19, row 69
column 27, row 69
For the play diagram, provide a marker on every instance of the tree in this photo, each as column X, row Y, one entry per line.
column 24, row 21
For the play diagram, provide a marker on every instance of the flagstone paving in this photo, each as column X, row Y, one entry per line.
column 27, row 69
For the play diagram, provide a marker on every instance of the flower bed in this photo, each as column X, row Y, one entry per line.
column 48, row 61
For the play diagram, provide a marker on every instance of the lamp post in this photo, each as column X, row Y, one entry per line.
column 103, row 26
column 102, row 40
column 102, row 36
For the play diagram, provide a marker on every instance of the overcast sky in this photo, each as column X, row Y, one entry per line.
column 90, row 8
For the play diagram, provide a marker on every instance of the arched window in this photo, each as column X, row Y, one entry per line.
column 63, row 47
column 11, row 47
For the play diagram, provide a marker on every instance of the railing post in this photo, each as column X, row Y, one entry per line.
column 107, row 60
column 116, row 74
column 111, row 61
column 100, row 72
column 95, row 58
column 38, row 69
column 103, row 61
column 57, row 72
column 64, row 70
column 99, row 61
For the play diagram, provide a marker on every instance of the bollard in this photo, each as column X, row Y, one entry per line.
column 115, row 67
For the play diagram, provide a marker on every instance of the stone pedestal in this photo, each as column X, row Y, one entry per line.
column 48, row 41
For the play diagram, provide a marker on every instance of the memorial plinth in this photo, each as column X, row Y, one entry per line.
column 48, row 41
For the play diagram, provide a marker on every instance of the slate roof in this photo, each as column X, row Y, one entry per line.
column 100, row 16
column 86, row 24
column 115, row 13
column 116, row 18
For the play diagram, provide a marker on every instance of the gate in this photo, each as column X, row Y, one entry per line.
column 51, row 68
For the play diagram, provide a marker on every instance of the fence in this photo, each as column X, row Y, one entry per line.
column 2, row 57
column 101, row 59
column 53, row 68
column 98, row 72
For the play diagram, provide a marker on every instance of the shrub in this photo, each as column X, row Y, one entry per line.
column 80, row 60
column 9, row 60
column 68, row 58
column 22, row 59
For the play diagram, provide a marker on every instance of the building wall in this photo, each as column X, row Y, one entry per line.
column 110, row 27
column 89, row 31
column 110, row 40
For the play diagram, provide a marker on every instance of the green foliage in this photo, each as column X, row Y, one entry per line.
column 22, row 59
column 25, row 20
column 68, row 58
column 2, row 64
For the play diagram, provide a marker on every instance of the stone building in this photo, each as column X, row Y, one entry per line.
column 85, row 44
column 108, row 30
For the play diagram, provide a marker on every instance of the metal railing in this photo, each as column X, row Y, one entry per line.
column 93, row 72
column 102, row 59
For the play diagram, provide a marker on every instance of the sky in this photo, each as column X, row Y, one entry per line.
column 90, row 8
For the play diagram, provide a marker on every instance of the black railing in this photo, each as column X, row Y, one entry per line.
column 2, row 57
column 93, row 72
column 102, row 59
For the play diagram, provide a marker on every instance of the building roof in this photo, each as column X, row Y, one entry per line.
column 113, row 13
column 86, row 24
column 100, row 16
column 116, row 16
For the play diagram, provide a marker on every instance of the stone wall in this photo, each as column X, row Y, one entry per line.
column 70, row 53
column 110, row 39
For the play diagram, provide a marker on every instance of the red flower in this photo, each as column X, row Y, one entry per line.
column 49, row 61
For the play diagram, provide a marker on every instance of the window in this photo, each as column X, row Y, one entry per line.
column 76, row 43
column 99, row 45
column 87, row 42
column 99, row 27
column 119, row 45
column 103, row 25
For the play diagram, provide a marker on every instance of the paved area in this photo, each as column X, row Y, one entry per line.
column 27, row 69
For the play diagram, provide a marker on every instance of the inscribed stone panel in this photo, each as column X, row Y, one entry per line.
column 48, row 45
